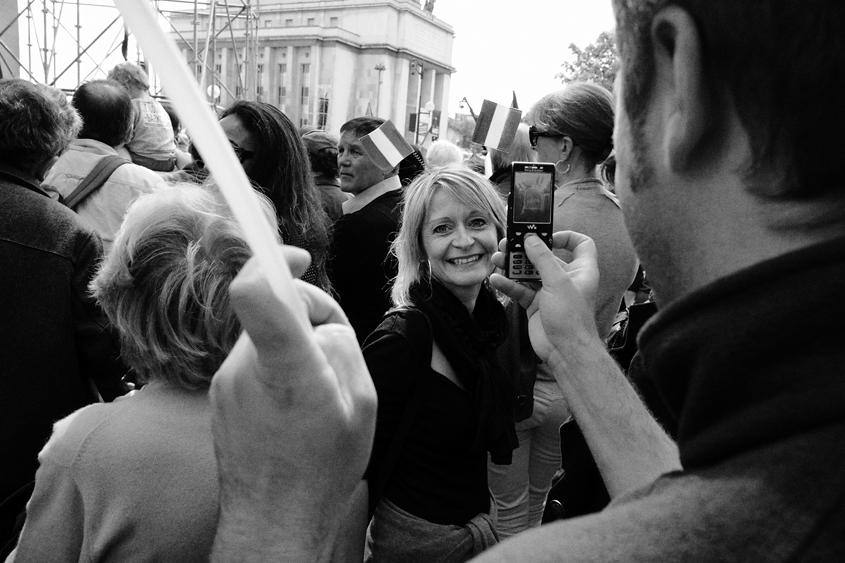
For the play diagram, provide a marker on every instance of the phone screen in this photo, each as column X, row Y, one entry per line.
column 532, row 197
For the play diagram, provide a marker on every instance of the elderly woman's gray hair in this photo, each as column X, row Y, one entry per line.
column 165, row 285
column 442, row 153
column 36, row 122
column 466, row 186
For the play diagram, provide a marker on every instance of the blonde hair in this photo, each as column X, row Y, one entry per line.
column 165, row 285
column 468, row 187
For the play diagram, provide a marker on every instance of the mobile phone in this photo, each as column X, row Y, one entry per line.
column 530, row 210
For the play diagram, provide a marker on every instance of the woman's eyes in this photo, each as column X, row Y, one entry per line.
column 475, row 223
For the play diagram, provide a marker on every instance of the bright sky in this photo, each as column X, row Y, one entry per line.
column 503, row 46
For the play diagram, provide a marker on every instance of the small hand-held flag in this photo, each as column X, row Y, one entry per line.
column 496, row 126
column 386, row 146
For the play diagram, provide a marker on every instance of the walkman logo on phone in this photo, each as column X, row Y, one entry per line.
column 531, row 227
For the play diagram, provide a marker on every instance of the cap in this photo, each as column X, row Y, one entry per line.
column 316, row 141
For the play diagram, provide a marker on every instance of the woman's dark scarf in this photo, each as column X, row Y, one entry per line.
column 469, row 343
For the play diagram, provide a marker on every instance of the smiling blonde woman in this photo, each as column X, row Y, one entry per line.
column 444, row 403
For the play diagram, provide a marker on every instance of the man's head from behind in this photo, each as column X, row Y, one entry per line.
column 358, row 172
column 34, row 129
column 322, row 153
column 106, row 111
column 779, row 64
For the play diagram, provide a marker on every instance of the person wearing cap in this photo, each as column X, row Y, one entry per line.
column 361, row 266
column 322, row 153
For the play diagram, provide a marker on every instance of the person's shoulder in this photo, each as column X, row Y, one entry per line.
column 405, row 327
column 71, row 433
column 39, row 222
column 646, row 527
column 138, row 177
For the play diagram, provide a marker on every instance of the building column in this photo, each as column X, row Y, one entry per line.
column 404, row 90
column 441, row 100
column 428, row 86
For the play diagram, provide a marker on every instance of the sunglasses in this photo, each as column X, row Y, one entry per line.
column 240, row 152
column 534, row 135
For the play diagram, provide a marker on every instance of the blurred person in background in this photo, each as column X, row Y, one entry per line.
column 443, row 153
column 519, row 151
column 322, row 154
column 152, row 145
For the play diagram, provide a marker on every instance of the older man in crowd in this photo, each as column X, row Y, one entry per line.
column 55, row 343
column 361, row 267
column 739, row 218
column 106, row 112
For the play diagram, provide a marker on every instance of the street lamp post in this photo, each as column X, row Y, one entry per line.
column 380, row 68
column 414, row 65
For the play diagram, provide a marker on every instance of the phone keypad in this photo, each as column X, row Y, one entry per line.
column 520, row 267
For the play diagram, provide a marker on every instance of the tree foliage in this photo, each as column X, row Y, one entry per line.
column 460, row 131
column 594, row 63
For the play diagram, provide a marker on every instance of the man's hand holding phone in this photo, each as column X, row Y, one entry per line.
column 561, row 311
column 629, row 447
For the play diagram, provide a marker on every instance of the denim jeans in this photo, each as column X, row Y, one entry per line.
column 520, row 489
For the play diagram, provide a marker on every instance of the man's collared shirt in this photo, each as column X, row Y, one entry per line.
column 360, row 201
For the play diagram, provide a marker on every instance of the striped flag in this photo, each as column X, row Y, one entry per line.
column 496, row 126
column 386, row 146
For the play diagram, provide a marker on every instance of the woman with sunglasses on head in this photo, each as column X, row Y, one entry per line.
column 443, row 401
column 572, row 128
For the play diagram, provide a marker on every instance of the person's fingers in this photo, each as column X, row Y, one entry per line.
column 297, row 258
column 548, row 265
column 270, row 320
column 344, row 356
column 579, row 244
column 322, row 308
column 520, row 293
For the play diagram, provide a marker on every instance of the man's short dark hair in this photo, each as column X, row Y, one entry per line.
column 361, row 126
column 106, row 111
column 779, row 63
column 33, row 127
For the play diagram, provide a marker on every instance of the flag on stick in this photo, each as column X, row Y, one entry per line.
column 386, row 146
column 496, row 126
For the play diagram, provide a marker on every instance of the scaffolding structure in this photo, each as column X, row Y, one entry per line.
column 58, row 36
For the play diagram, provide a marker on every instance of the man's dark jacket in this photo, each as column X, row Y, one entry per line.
column 54, row 341
column 361, row 267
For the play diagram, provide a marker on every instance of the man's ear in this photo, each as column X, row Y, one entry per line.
column 681, row 87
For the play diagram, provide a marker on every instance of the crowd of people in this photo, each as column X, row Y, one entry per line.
column 161, row 402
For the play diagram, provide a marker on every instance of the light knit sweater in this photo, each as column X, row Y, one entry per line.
column 129, row 481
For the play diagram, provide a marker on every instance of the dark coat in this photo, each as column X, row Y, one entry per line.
column 55, row 340
column 361, row 267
